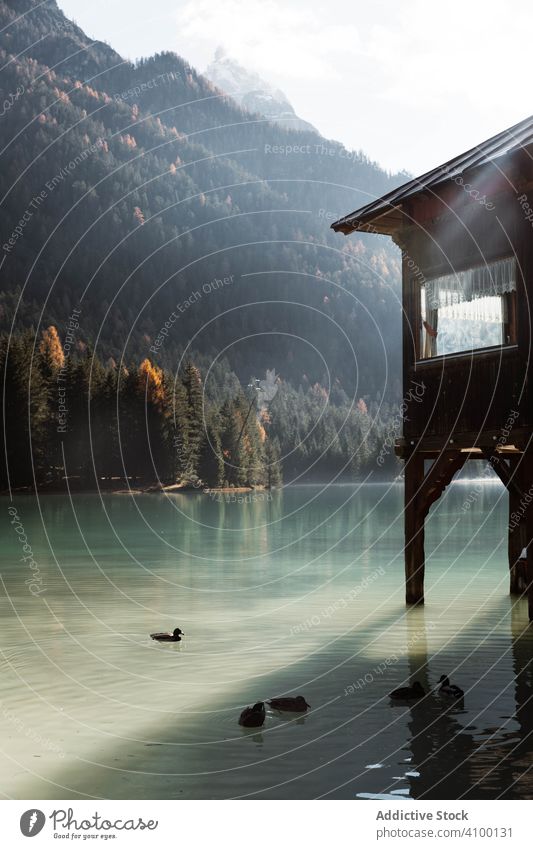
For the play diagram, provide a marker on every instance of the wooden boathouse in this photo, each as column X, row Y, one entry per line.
column 465, row 230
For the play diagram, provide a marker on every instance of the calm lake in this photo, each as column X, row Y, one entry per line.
column 301, row 592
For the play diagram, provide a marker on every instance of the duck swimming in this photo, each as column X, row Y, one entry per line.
column 448, row 689
column 175, row 637
column 253, row 717
column 408, row 693
column 297, row 704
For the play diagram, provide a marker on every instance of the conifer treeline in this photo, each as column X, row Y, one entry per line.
column 96, row 423
column 92, row 422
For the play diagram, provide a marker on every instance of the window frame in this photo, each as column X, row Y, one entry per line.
column 509, row 328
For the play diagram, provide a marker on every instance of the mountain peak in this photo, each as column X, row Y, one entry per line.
column 252, row 92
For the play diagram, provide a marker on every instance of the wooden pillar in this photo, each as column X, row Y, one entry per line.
column 517, row 529
column 527, row 482
column 414, row 530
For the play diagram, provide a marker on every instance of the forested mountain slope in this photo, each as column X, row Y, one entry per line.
column 179, row 228
column 127, row 188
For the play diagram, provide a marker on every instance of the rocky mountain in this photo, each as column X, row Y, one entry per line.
column 252, row 93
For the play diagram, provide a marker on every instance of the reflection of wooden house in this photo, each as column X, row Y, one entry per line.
column 465, row 230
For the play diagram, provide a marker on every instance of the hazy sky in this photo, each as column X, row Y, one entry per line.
column 411, row 83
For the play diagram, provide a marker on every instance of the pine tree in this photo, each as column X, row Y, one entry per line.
column 52, row 365
column 194, row 430
column 180, row 432
column 51, row 353
column 211, row 463
column 141, row 423
column 24, row 456
column 273, row 471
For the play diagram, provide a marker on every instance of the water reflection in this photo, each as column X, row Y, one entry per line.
column 273, row 599
column 255, row 737
column 451, row 760
column 517, row 755
column 289, row 718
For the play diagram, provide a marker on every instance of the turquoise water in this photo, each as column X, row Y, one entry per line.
column 302, row 593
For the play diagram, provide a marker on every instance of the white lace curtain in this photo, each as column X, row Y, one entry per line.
column 484, row 281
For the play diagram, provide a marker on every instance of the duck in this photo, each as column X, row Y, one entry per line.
column 408, row 693
column 175, row 637
column 253, row 717
column 296, row 704
column 448, row 689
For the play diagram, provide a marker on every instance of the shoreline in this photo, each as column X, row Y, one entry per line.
column 122, row 488
column 186, row 489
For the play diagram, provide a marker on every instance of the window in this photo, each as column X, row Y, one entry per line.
column 469, row 310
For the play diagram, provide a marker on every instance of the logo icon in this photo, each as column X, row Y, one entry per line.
column 32, row 822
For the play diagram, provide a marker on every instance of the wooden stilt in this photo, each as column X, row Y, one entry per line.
column 517, row 530
column 527, row 480
column 529, row 583
column 414, row 530
column 421, row 491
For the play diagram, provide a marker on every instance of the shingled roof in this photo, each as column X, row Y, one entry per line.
column 389, row 207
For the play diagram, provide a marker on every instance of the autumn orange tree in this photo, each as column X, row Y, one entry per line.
column 51, row 351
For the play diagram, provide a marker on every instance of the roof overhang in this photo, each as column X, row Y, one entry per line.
column 388, row 214
column 386, row 222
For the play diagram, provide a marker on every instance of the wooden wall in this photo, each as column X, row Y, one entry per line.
column 466, row 393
